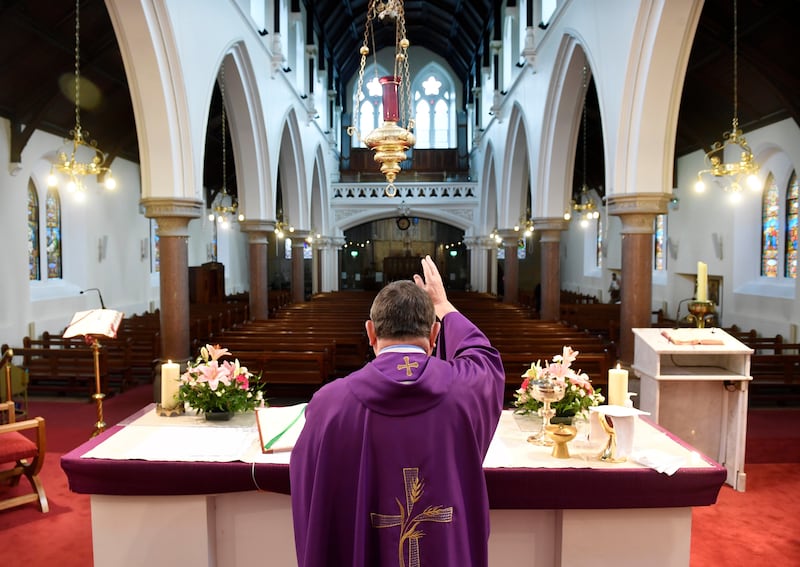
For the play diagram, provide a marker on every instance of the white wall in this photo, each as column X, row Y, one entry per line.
column 748, row 300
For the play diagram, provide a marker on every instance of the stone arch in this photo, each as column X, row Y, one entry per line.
column 248, row 135
column 291, row 166
column 515, row 170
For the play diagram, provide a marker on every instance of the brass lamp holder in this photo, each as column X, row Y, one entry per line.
column 700, row 313
column 98, row 395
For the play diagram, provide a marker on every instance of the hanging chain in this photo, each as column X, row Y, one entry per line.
column 735, row 67
column 585, row 122
column 224, row 141
column 78, row 69
column 401, row 56
column 353, row 129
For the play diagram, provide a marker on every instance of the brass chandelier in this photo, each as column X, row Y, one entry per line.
column 394, row 137
column 68, row 161
column 225, row 204
column 746, row 168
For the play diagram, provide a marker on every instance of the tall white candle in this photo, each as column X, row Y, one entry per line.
column 617, row 386
column 170, row 373
column 702, row 281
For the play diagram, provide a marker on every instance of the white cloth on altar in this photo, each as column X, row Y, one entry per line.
column 510, row 449
column 190, row 437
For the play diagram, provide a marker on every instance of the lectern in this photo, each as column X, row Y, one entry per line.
column 694, row 383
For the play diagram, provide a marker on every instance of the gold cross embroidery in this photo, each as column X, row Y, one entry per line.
column 408, row 524
column 407, row 366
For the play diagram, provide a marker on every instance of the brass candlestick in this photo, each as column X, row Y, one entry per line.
column 700, row 312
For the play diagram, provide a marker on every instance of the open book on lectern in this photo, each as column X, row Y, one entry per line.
column 279, row 427
column 103, row 322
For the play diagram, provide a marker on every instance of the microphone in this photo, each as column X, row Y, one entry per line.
column 100, row 295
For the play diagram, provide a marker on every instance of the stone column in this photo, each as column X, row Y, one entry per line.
column 549, row 243
column 258, row 242
column 173, row 216
column 479, row 267
column 511, row 273
column 298, row 272
column 327, row 259
column 637, row 213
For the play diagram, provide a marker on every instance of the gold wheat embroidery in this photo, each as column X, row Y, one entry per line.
column 408, row 523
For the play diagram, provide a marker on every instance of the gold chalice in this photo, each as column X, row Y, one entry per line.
column 561, row 434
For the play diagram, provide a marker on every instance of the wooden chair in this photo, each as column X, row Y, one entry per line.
column 25, row 455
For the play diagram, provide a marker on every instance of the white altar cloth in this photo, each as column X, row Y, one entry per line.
column 190, row 437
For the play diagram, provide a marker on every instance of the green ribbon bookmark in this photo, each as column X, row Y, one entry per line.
column 271, row 442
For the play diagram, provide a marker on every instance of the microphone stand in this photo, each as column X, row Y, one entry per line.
column 100, row 295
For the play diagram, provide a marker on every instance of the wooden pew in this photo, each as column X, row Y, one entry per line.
column 595, row 365
column 244, row 347
column 62, row 371
column 117, row 353
column 596, row 317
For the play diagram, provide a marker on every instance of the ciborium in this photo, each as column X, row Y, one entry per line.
column 700, row 312
column 547, row 391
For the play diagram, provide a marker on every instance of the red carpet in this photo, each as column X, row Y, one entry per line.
column 754, row 528
column 744, row 529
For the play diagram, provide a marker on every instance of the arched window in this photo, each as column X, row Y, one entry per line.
column 53, row 233
column 790, row 271
column 770, row 229
column 434, row 108
column 34, row 269
column 368, row 104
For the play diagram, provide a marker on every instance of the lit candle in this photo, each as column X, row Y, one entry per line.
column 702, row 281
column 170, row 372
column 617, row 386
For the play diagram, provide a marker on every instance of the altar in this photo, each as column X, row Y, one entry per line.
column 156, row 501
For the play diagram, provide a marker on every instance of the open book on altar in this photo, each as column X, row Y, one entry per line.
column 692, row 337
column 279, row 427
column 103, row 322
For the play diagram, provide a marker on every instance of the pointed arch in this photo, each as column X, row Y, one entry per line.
column 291, row 168
column 515, row 170
column 558, row 143
column 248, row 133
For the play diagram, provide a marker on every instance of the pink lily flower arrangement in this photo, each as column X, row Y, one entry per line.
column 215, row 383
column 579, row 394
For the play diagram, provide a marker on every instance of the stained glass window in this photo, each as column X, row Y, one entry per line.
column 155, row 251
column 770, row 227
column 53, row 233
column 34, row 270
column 659, row 243
column 791, row 228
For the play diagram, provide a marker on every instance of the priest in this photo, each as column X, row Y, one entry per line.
column 388, row 470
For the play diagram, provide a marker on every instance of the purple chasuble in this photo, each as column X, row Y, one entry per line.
column 388, row 470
